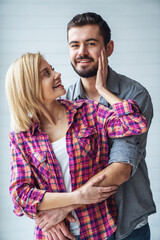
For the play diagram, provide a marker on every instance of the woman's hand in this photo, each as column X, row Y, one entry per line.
column 102, row 71
column 101, row 80
column 48, row 218
column 92, row 193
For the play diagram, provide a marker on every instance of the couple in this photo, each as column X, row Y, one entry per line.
column 83, row 123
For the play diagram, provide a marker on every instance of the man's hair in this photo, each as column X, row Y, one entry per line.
column 94, row 19
column 24, row 91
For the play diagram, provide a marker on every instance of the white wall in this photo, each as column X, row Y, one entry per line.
column 40, row 25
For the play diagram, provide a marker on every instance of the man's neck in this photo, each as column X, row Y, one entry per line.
column 89, row 88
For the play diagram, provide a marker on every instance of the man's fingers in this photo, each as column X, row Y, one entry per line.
column 66, row 232
column 49, row 236
column 60, row 232
column 58, row 235
column 43, row 225
column 52, row 235
column 46, row 226
column 38, row 220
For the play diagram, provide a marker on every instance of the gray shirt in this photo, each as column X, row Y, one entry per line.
column 133, row 198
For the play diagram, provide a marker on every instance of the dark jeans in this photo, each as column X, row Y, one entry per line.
column 77, row 237
column 111, row 238
column 142, row 233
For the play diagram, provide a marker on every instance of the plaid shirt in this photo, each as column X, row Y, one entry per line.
column 35, row 169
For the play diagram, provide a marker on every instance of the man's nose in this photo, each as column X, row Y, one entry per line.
column 83, row 50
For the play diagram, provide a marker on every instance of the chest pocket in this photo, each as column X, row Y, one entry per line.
column 40, row 165
column 88, row 141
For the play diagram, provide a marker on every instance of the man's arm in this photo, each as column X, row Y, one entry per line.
column 130, row 150
column 59, row 232
column 115, row 175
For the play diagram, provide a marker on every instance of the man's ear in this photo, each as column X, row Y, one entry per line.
column 110, row 48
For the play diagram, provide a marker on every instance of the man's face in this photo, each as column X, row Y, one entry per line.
column 85, row 44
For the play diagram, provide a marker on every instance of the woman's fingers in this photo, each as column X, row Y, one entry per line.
column 104, row 196
column 108, row 189
column 97, row 180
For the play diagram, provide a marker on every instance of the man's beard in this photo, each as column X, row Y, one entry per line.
column 85, row 73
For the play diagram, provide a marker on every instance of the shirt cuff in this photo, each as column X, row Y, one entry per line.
column 30, row 207
column 125, row 107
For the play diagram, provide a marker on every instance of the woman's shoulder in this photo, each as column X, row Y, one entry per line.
column 82, row 103
column 20, row 136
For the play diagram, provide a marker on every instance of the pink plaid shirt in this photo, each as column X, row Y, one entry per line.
column 35, row 169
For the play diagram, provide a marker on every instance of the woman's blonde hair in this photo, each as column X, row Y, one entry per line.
column 24, row 92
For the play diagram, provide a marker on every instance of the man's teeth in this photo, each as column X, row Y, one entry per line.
column 84, row 61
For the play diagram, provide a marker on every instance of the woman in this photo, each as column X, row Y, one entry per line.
column 57, row 145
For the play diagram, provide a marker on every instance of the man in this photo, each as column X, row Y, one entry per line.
column 88, row 33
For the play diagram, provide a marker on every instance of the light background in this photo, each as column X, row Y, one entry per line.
column 40, row 25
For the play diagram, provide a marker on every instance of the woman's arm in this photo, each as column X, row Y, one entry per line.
column 101, row 80
column 125, row 118
column 27, row 198
column 88, row 195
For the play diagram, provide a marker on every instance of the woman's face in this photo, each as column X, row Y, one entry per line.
column 52, row 87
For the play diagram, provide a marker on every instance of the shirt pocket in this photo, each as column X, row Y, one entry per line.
column 40, row 165
column 88, row 141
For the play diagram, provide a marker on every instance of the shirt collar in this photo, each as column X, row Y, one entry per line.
column 35, row 127
column 71, row 107
column 112, row 84
column 112, row 81
column 79, row 91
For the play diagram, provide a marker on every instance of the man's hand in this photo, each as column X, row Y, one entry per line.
column 49, row 218
column 59, row 232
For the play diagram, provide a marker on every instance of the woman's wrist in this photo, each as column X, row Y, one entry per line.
column 103, row 91
column 109, row 96
column 77, row 197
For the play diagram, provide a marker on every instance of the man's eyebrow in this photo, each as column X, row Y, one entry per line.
column 87, row 40
column 92, row 39
column 73, row 42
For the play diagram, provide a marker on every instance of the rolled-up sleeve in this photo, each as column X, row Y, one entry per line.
column 125, row 119
column 24, row 195
column 131, row 149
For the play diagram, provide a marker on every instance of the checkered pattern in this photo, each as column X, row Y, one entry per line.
column 35, row 170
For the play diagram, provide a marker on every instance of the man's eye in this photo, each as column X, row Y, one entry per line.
column 91, row 44
column 74, row 46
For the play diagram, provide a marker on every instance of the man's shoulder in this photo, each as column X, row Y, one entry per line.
column 131, row 82
column 125, row 80
column 72, row 92
column 126, row 85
